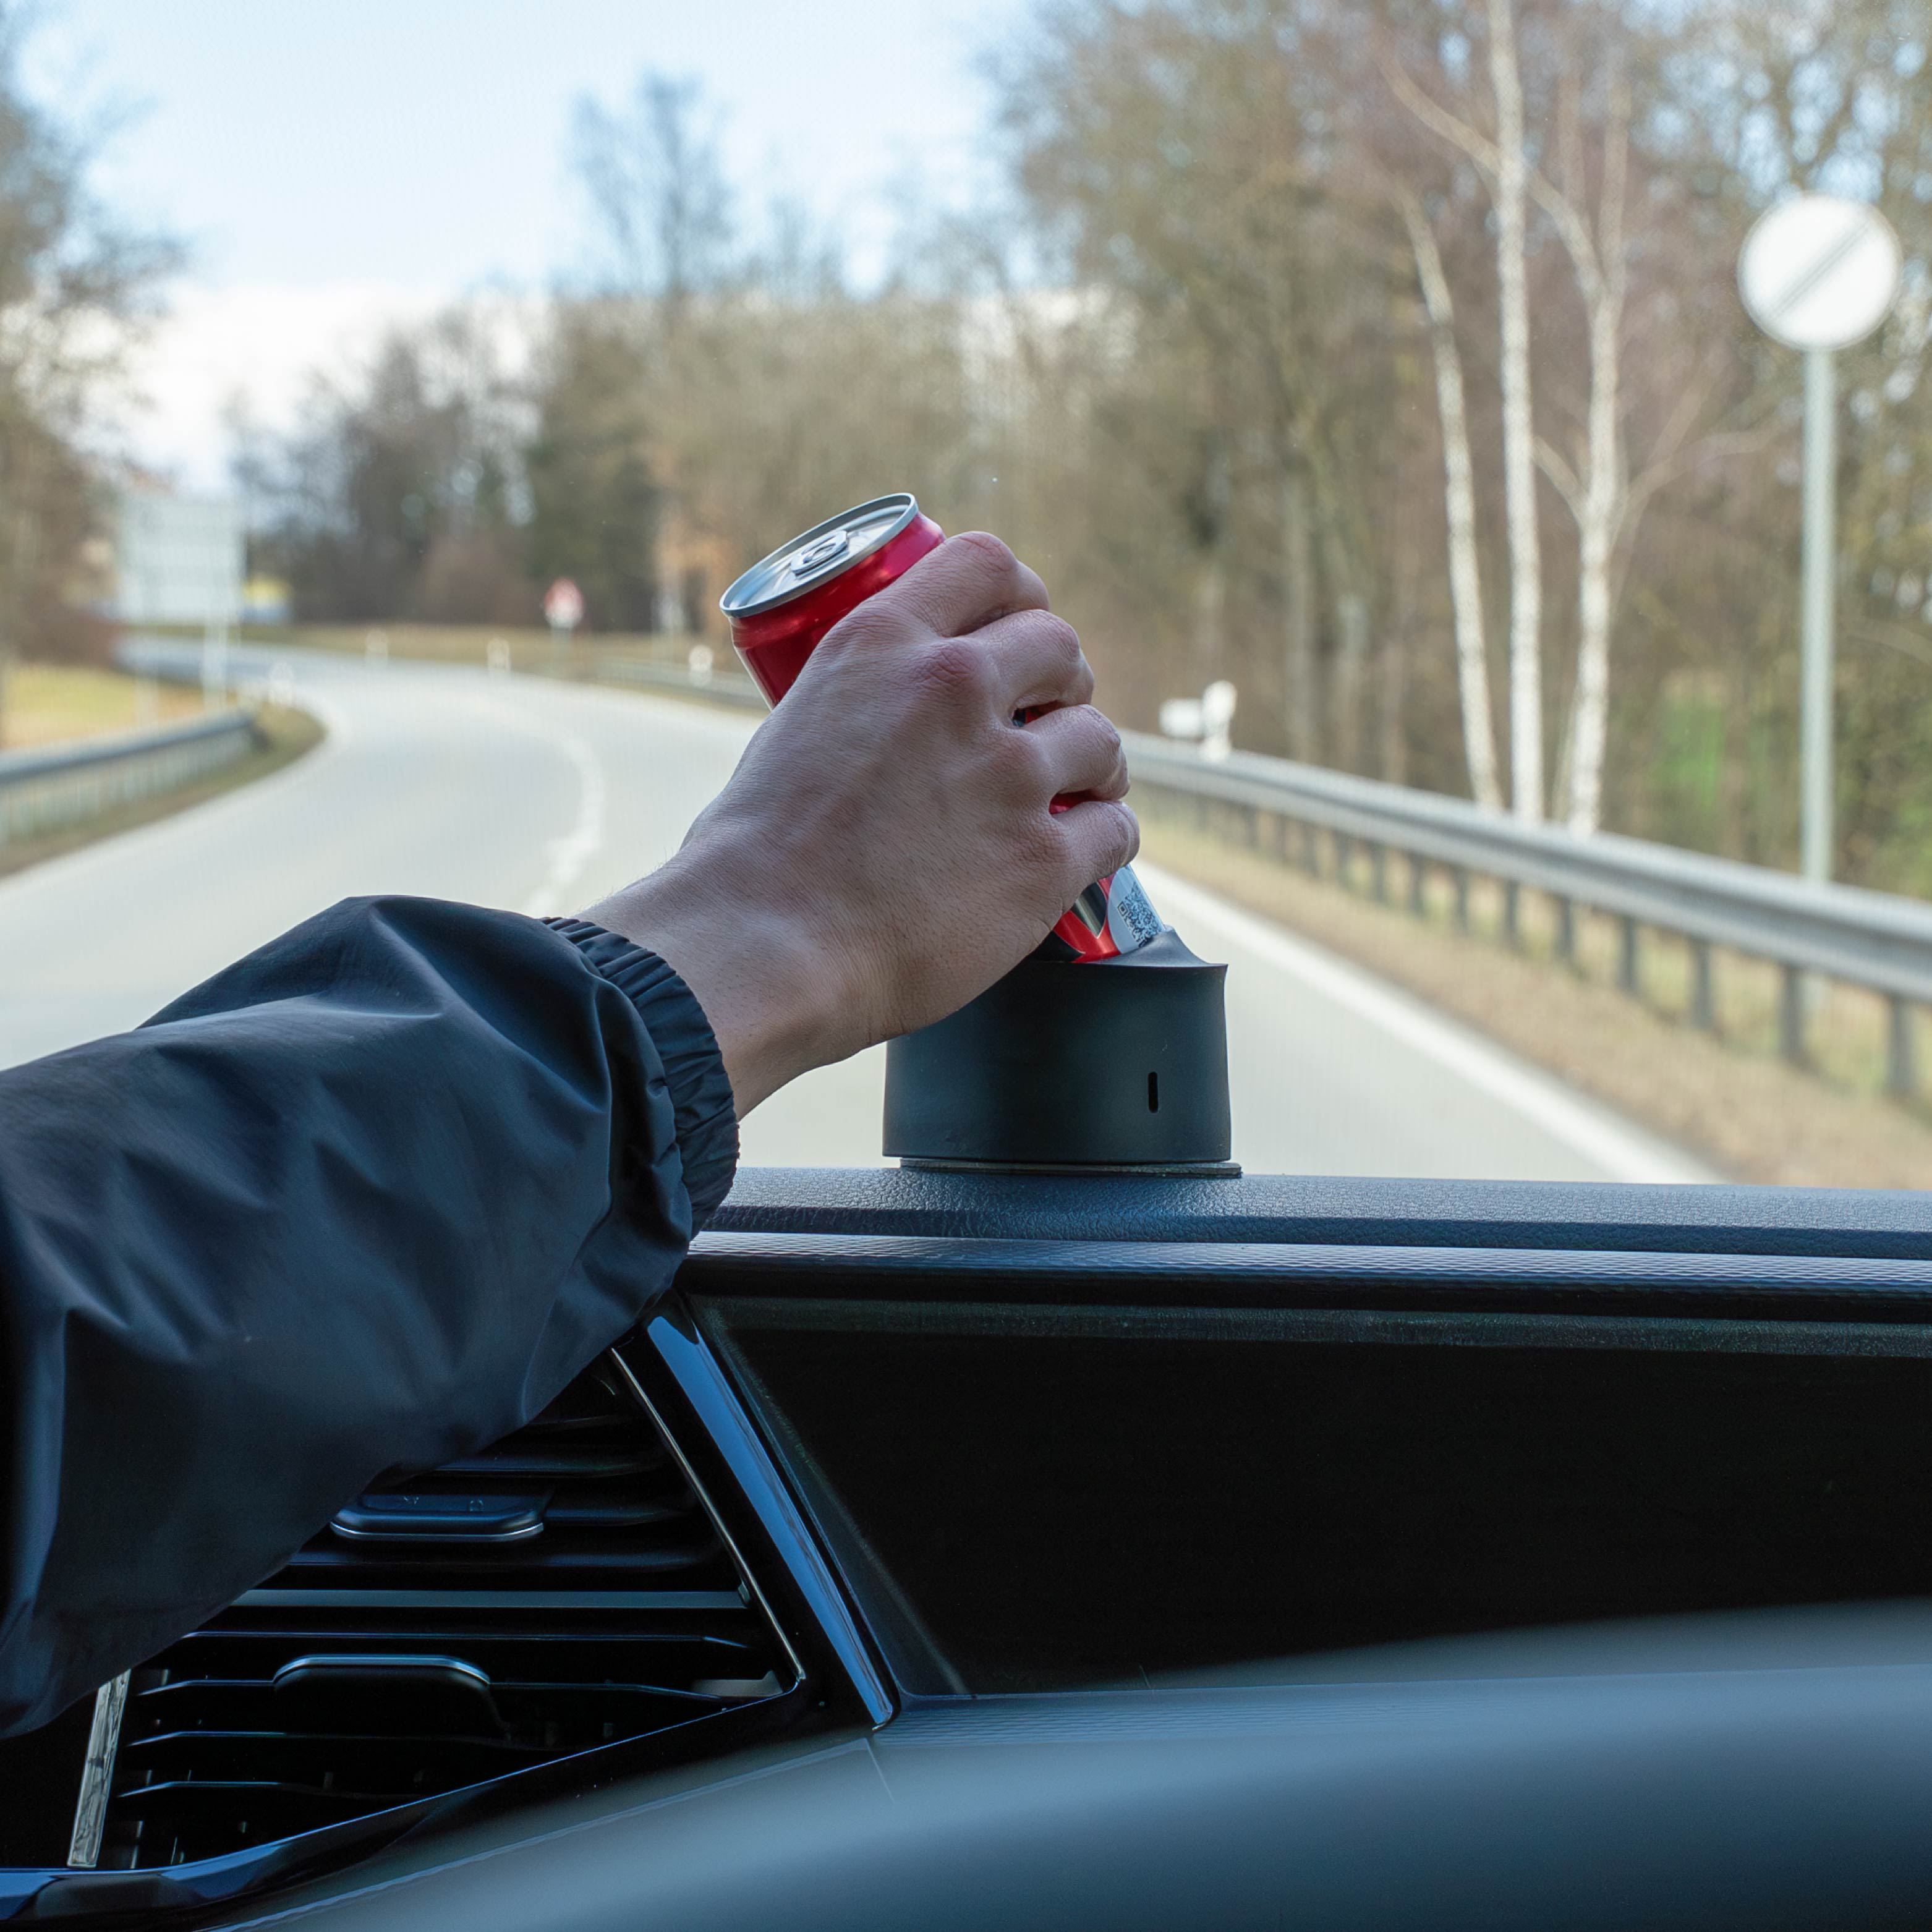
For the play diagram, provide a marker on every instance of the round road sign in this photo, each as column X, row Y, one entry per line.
column 1819, row 271
column 563, row 605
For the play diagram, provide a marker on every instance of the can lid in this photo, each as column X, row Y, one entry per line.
column 822, row 553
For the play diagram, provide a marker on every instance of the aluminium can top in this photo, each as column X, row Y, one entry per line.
column 826, row 550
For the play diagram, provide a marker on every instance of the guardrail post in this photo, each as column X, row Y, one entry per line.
column 1512, row 913
column 1378, row 872
column 1311, row 850
column 1566, row 926
column 1418, row 884
column 1345, row 853
column 1703, row 991
column 1628, row 974
column 1251, row 825
column 1459, row 875
column 1791, row 1014
column 1901, row 1072
column 1281, row 838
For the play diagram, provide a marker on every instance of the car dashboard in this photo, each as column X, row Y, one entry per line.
column 909, row 1460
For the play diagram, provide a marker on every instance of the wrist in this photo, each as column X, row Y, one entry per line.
column 771, row 999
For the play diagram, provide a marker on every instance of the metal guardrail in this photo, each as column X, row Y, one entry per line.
column 1878, row 940
column 731, row 688
column 57, row 785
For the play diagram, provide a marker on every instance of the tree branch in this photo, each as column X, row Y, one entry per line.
column 1438, row 118
column 1552, row 462
column 1706, row 449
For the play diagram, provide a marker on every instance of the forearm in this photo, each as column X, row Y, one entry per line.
column 370, row 1197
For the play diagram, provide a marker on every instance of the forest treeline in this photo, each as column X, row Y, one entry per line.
column 1382, row 356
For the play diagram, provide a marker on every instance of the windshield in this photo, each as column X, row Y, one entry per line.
column 1523, row 610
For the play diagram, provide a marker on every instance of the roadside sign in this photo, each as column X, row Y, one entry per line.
column 178, row 559
column 1819, row 271
column 563, row 605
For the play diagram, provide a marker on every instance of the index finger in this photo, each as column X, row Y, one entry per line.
column 967, row 581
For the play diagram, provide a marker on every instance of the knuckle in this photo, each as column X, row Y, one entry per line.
column 988, row 552
column 1058, row 636
column 871, row 623
column 954, row 671
column 1106, row 736
column 1066, row 661
column 1018, row 765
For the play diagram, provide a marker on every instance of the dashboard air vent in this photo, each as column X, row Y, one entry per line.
column 561, row 1591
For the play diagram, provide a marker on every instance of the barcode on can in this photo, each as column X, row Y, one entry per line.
column 1131, row 921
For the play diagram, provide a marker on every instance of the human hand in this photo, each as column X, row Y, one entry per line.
column 886, row 849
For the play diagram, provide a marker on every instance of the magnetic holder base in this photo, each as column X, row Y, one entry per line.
column 1110, row 1064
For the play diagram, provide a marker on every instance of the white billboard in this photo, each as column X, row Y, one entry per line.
column 178, row 559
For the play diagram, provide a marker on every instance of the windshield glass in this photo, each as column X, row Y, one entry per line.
column 1523, row 611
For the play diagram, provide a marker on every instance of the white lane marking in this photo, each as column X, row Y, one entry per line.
column 566, row 855
column 1622, row 1155
column 569, row 855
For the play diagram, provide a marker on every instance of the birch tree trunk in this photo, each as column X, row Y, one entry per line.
column 1459, row 494
column 1519, row 428
column 1601, row 503
column 1598, row 515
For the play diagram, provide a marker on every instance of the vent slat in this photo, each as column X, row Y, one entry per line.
column 405, row 1764
column 240, row 1659
column 569, row 1457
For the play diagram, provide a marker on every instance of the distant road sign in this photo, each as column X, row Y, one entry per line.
column 1819, row 271
column 178, row 559
column 563, row 605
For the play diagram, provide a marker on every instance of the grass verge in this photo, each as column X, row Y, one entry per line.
column 51, row 704
column 287, row 733
column 1722, row 1095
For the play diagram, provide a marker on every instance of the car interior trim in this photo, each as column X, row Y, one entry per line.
column 675, row 1341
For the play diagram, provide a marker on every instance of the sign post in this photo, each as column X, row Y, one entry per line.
column 563, row 611
column 1818, row 274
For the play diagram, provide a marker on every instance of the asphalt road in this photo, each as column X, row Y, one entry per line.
column 539, row 797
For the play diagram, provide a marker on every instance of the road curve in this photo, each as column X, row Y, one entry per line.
column 539, row 797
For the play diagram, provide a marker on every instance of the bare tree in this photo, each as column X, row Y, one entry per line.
column 1459, row 493
column 76, row 287
column 1598, row 498
column 658, row 192
column 1519, row 432
column 1603, row 498
column 1505, row 167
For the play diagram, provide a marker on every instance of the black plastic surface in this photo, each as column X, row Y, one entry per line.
column 1288, row 1207
column 1069, row 1496
column 1772, row 1775
column 1116, row 1062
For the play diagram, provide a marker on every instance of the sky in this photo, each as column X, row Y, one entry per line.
column 332, row 167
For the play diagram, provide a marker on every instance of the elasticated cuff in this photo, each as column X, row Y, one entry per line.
column 707, row 1119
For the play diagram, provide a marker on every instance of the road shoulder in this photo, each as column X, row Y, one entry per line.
column 1749, row 1117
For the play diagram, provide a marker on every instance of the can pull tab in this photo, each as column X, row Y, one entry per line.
column 821, row 554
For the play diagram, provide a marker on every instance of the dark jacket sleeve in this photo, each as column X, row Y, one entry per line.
column 370, row 1197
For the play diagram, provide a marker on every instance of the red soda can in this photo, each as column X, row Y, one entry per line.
column 786, row 602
